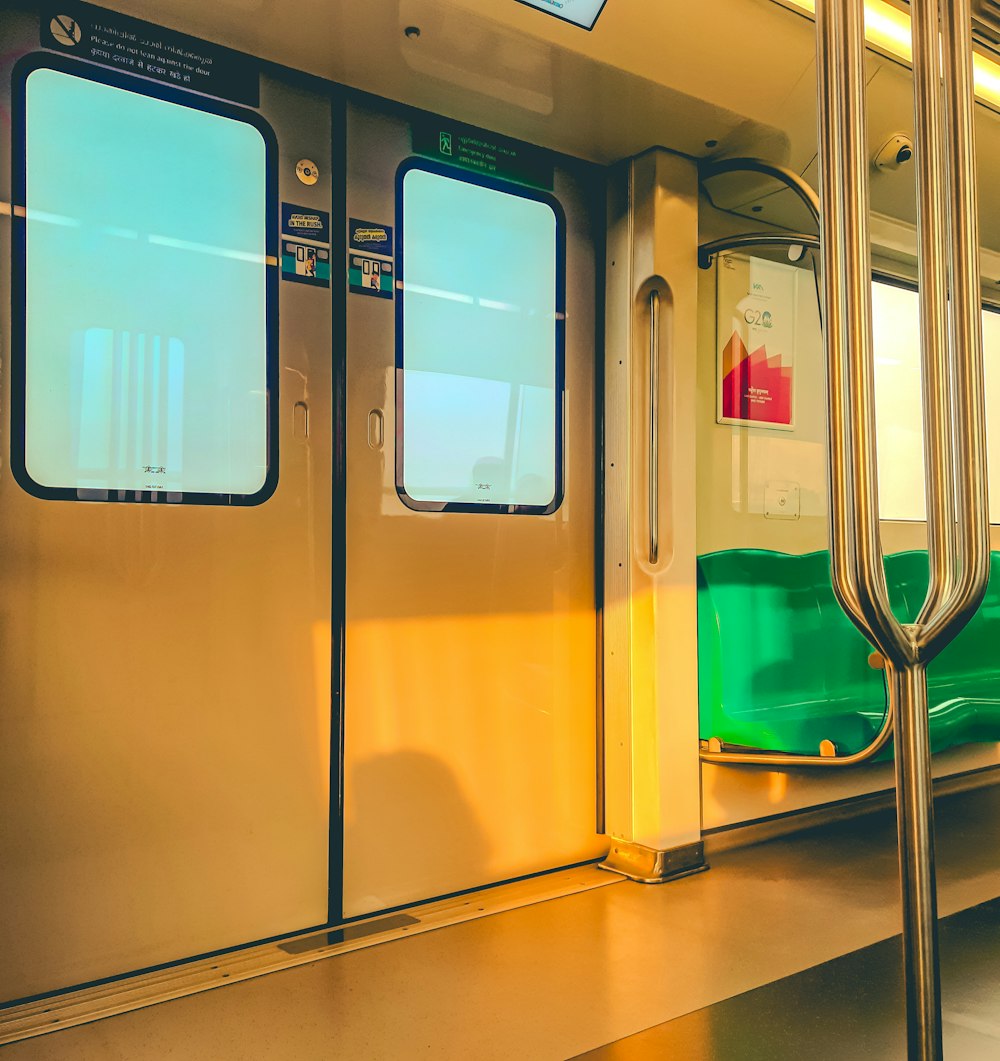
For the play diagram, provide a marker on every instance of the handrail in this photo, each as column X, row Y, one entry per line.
column 955, row 441
column 707, row 251
column 932, row 231
column 765, row 758
column 966, row 346
column 716, row 167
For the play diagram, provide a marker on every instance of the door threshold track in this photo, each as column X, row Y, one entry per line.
column 52, row 1014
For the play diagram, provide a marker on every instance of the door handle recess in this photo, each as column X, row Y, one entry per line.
column 300, row 420
column 376, row 429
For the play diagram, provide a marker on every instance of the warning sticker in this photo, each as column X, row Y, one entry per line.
column 66, row 31
column 371, row 238
column 368, row 275
column 303, row 263
column 138, row 47
column 302, row 222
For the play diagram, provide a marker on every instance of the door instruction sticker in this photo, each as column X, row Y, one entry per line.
column 304, row 264
column 369, row 259
column 371, row 238
column 369, row 276
column 302, row 222
column 305, row 245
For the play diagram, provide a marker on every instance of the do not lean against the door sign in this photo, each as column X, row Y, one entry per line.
column 155, row 52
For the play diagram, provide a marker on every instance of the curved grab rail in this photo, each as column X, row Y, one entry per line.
column 954, row 442
column 953, row 409
column 802, row 188
column 765, row 758
column 707, row 251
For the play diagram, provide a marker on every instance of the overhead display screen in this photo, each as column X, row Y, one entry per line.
column 580, row 12
column 480, row 334
column 147, row 308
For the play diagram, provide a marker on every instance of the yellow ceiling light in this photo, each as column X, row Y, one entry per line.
column 888, row 29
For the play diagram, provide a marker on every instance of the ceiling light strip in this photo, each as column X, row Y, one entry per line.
column 888, row 29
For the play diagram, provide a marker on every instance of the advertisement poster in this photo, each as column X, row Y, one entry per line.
column 757, row 301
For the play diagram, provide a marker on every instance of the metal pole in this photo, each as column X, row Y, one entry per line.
column 918, row 893
column 932, row 249
column 965, row 348
column 855, row 544
column 954, row 443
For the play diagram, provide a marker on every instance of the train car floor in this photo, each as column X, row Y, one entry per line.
column 844, row 1009
column 784, row 949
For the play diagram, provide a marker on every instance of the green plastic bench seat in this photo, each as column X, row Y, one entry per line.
column 781, row 667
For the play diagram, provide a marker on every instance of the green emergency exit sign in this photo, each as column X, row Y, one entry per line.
column 487, row 153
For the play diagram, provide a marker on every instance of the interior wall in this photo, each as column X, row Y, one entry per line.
column 737, row 464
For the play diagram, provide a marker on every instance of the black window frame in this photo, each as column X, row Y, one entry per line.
column 524, row 192
column 23, row 70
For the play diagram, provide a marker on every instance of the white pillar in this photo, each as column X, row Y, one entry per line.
column 651, row 776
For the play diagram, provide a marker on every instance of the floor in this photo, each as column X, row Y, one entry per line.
column 841, row 1007
column 575, row 974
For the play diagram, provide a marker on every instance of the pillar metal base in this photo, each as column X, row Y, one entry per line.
column 650, row 866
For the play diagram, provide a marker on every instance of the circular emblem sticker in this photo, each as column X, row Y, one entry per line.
column 65, row 31
column 307, row 171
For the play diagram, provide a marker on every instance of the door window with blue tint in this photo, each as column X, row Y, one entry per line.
column 479, row 344
column 144, row 361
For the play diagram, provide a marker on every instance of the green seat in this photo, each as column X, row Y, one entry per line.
column 781, row 667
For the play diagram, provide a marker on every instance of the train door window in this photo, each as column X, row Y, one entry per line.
column 145, row 315
column 480, row 344
column 898, row 416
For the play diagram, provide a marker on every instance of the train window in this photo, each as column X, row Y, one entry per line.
column 480, row 343
column 898, row 416
column 145, row 312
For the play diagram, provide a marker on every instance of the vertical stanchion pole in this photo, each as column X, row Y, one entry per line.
column 954, row 418
column 918, row 892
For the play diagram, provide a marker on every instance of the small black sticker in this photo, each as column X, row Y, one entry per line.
column 139, row 47
column 371, row 238
column 367, row 275
column 304, row 223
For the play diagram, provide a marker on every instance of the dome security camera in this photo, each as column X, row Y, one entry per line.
column 896, row 151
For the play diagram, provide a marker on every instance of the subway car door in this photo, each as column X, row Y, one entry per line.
column 165, row 557
column 471, row 702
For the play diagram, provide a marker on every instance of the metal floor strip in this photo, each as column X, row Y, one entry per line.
column 147, row 989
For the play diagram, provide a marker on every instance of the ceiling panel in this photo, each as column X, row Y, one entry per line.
column 722, row 78
column 670, row 72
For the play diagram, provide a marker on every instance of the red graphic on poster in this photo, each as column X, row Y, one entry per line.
column 755, row 387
